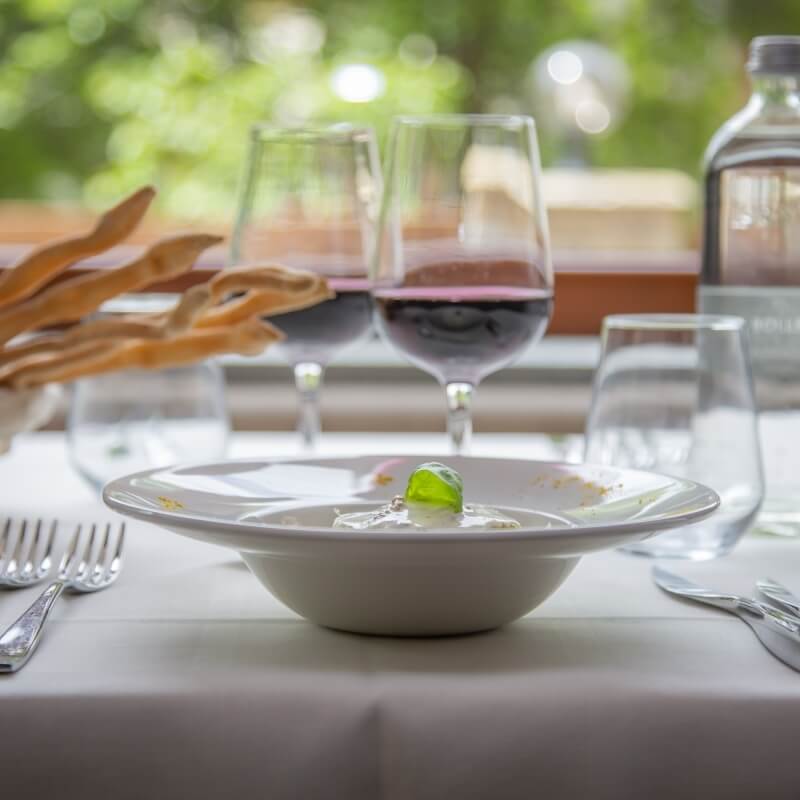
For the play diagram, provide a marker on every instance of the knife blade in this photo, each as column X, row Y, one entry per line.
column 778, row 632
column 780, row 595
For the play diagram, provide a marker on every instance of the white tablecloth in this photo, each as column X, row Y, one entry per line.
column 187, row 679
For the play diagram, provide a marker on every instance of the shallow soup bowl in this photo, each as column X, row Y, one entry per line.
column 278, row 514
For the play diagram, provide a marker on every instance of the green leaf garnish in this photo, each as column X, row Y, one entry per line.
column 437, row 486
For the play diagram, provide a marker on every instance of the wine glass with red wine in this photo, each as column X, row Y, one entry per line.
column 463, row 281
column 309, row 199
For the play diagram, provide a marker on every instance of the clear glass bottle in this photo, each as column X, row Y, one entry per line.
column 751, row 258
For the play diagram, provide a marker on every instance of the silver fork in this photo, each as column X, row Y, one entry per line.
column 25, row 559
column 89, row 564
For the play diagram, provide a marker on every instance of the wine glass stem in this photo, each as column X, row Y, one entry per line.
column 459, row 415
column 308, row 379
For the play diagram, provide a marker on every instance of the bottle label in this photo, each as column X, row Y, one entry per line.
column 772, row 314
column 759, row 225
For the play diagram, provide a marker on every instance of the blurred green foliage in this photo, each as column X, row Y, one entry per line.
column 99, row 96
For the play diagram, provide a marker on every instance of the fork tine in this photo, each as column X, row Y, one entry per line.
column 98, row 567
column 25, row 552
column 121, row 540
column 86, row 559
column 67, row 564
column 12, row 565
column 91, row 561
column 115, row 564
column 47, row 561
column 29, row 564
column 4, row 540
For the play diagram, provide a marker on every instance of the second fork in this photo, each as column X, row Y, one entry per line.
column 84, row 568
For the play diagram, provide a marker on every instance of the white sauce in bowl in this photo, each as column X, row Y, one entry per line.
column 398, row 515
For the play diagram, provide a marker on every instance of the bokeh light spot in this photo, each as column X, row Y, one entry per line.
column 288, row 33
column 86, row 25
column 358, row 83
column 565, row 67
column 592, row 116
column 418, row 50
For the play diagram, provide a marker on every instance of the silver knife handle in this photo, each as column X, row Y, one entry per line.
column 746, row 606
column 781, row 643
column 19, row 641
column 779, row 595
column 776, row 619
column 750, row 606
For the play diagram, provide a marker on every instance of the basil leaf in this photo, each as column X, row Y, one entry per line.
column 437, row 486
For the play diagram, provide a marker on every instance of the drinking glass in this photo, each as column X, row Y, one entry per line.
column 463, row 281
column 674, row 394
column 136, row 419
column 309, row 199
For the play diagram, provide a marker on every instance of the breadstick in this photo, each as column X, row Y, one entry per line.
column 186, row 312
column 188, row 309
column 41, row 344
column 197, row 301
column 77, row 354
column 200, row 299
column 38, row 267
column 71, row 300
column 132, row 326
column 262, row 303
column 161, row 325
column 241, row 279
column 247, row 338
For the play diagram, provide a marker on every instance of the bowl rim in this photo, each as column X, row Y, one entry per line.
column 707, row 502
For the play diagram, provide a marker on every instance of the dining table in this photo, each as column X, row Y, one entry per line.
column 187, row 679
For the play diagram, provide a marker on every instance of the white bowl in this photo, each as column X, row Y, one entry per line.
column 408, row 583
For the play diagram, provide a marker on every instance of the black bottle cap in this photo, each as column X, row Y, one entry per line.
column 773, row 55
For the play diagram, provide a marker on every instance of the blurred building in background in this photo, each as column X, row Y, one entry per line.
column 99, row 96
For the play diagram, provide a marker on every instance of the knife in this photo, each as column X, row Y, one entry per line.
column 778, row 632
column 780, row 595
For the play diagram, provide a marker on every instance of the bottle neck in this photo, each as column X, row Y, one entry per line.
column 776, row 93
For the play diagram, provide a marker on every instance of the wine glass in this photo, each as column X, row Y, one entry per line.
column 309, row 200
column 136, row 419
column 463, row 281
column 127, row 421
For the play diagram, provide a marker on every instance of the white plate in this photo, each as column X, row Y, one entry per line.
column 408, row 583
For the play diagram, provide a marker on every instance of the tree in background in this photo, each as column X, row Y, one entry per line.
column 97, row 96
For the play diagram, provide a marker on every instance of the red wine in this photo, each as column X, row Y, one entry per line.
column 462, row 333
column 318, row 334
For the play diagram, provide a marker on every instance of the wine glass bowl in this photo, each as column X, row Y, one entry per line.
column 462, row 273
column 309, row 200
column 135, row 419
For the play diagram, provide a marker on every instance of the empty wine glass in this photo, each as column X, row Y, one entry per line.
column 136, row 419
column 462, row 274
column 309, row 200
column 673, row 393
